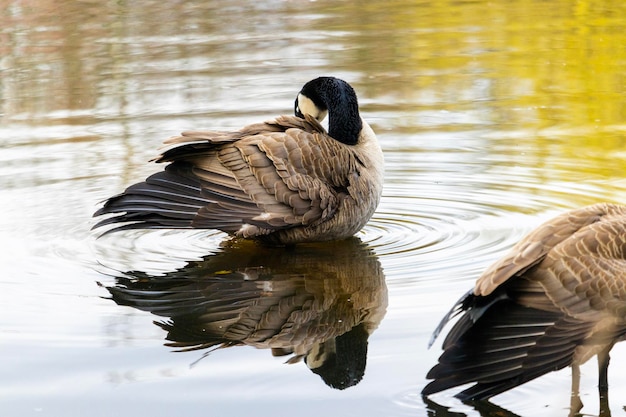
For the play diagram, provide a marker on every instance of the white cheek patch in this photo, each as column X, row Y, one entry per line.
column 306, row 106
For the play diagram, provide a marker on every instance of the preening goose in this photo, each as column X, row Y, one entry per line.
column 283, row 181
column 556, row 299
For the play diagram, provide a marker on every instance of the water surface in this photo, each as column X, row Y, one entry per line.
column 493, row 116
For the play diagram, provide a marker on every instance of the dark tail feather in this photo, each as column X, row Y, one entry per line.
column 167, row 199
column 457, row 309
column 507, row 346
column 177, row 198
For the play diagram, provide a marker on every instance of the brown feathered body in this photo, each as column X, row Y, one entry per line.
column 283, row 181
column 556, row 299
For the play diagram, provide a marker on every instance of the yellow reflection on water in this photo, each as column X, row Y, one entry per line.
column 542, row 83
column 544, row 64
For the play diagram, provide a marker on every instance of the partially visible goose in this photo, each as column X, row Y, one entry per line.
column 283, row 181
column 556, row 299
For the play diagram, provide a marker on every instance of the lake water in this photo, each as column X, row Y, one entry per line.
column 493, row 116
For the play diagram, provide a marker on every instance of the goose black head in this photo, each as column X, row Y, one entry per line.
column 335, row 97
column 341, row 362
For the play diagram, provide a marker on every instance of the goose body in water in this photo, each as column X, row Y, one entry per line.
column 283, row 181
column 556, row 299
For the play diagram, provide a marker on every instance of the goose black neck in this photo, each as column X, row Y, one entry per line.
column 339, row 98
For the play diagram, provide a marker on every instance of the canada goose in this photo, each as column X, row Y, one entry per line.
column 318, row 303
column 283, row 181
column 556, row 299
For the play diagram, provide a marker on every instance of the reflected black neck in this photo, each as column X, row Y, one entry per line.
column 338, row 97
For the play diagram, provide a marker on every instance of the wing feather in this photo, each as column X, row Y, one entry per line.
column 533, row 248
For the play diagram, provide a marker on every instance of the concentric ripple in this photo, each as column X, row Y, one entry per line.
column 454, row 216
column 433, row 237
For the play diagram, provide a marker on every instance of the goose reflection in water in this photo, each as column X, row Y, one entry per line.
column 486, row 408
column 316, row 302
